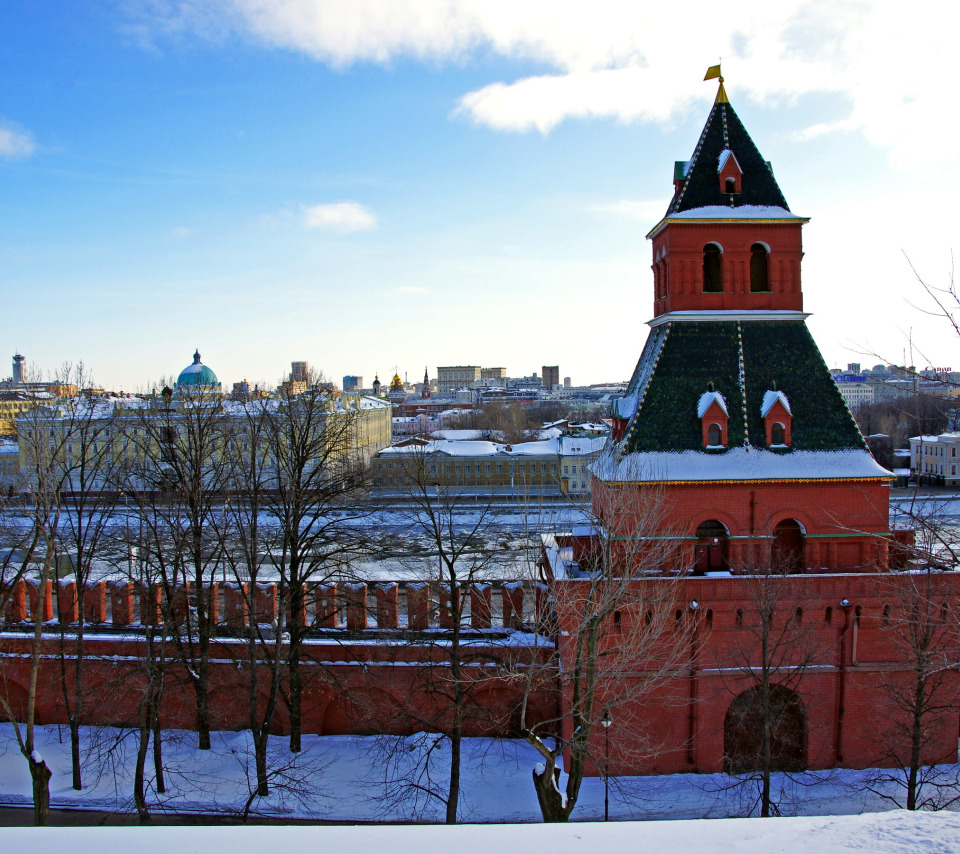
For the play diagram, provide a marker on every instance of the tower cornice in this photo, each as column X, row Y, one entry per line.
column 694, row 218
column 725, row 315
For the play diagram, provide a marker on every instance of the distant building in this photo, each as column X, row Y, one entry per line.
column 18, row 383
column 493, row 373
column 299, row 372
column 352, row 383
column 551, row 376
column 551, row 466
column 934, row 459
column 452, row 377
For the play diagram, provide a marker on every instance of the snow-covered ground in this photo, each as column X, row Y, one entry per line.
column 344, row 778
column 890, row 833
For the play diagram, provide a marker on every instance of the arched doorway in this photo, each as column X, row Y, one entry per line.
column 711, row 551
column 787, row 552
column 743, row 729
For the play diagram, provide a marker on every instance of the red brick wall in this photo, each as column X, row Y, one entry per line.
column 679, row 726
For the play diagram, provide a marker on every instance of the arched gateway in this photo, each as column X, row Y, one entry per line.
column 744, row 725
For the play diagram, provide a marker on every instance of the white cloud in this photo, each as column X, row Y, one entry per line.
column 180, row 232
column 15, row 143
column 343, row 217
column 633, row 61
column 411, row 289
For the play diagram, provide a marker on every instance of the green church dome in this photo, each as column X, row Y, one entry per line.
column 197, row 374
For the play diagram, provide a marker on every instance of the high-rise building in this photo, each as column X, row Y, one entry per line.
column 352, row 383
column 18, row 361
column 299, row 372
column 551, row 376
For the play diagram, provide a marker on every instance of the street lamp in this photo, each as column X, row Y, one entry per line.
column 606, row 720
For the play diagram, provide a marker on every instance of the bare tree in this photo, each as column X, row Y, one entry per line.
column 179, row 478
column 459, row 664
column 612, row 620
column 919, row 622
column 34, row 549
column 87, row 471
column 248, row 556
column 316, row 474
column 773, row 647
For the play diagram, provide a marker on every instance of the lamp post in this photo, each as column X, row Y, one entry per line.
column 606, row 720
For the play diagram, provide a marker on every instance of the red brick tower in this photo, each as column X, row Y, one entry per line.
column 731, row 410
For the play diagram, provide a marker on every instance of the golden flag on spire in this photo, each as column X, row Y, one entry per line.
column 712, row 72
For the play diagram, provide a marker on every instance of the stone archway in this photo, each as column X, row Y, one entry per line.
column 711, row 553
column 743, row 731
column 787, row 551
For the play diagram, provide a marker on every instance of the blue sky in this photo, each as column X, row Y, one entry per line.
column 370, row 185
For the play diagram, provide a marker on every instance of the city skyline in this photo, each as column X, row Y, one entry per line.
column 370, row 187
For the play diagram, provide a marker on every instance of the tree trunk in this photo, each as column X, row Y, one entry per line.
column 453, row 792
column 139, row 785
column 40, row 778
column 203, row 710
column 75, row 751
column 260, row 741
column 296, row 698
column 548, row 795
column 161, row 785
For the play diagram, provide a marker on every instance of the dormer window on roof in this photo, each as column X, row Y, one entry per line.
column 712, row 412
column 730, row 173
column 777, row 418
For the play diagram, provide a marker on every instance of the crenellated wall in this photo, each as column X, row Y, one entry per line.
column 375, row 657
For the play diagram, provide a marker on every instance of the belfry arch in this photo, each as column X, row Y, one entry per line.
column 787, row 551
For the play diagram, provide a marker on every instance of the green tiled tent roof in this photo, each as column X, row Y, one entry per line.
column 724, row 130
column 682, row 358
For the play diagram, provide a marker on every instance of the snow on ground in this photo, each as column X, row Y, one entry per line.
column 345, row 778
column 890, row 833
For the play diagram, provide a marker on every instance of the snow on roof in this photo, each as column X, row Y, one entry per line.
column 725, row 155
column 571, row 445
column 707, row 399
column 739, row 464
column 740, row 212
column 458, row 435
column 770, row 398
column 542, row 447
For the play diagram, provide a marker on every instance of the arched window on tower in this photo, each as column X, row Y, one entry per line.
column 712, row 269
column 759, row 279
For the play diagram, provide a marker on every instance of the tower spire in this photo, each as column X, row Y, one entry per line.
column 713, row 72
